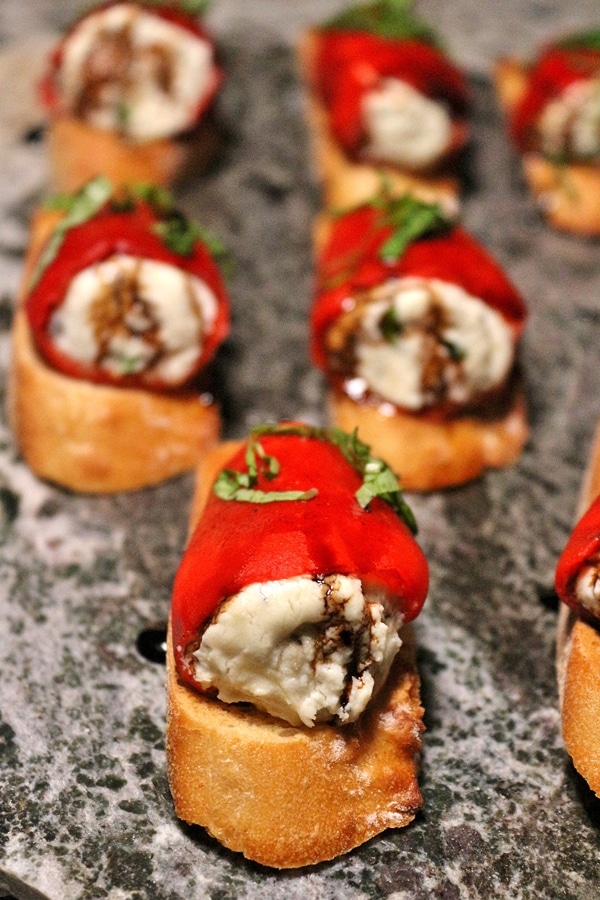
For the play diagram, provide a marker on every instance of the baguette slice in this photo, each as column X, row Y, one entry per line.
column 97, row 438
column 344, row 181
column 568, row 195
column 79, row 152
column 578, row 665
column 430, row 455
column 288, row 796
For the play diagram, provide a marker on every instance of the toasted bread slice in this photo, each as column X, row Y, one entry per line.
column 429, row 455
column 79, row 152
column 288, row 796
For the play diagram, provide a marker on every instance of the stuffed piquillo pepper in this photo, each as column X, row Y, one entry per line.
column 285, row 649
column 577, row 582
column 553, row 113
column 123, row 307
column 388, row 97
column 127, row 81
column 416, row 328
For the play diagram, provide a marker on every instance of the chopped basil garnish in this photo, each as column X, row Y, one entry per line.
column 193, row 7
column 176, row 232
column 241, row 486
column 411, row 219
column 392, row 19
column 585, row 40
column 378, row 479
column 78, row 208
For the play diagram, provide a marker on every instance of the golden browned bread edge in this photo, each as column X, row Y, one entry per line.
column 283, row 796
column 97, row 438
column 78, row 152
column 567, row 195
column 578, row 664
column 429, row 455
column 346, row 182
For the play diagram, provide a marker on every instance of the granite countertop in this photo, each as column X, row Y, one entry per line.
column 85, row 581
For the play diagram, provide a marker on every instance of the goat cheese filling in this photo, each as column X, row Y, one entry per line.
column 129, row 315
column 404, row 126
column 587, row 589
column 569, row 126
column 302, row 649
column 127, row 70
column 418, row 342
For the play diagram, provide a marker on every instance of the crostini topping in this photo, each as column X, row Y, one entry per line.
column 141, row 71
column 390, row 93
column 128, row 315
column 570, row 125
column 126, row 290
column 303, row 649
column 587, row 589
column 343, row 565
column 558, row 114
column 403, row 126
column 411, row 310
column 418, row 343
column 378, row 478
column 577, row 578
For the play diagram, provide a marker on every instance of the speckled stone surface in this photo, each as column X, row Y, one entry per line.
column 85, row 811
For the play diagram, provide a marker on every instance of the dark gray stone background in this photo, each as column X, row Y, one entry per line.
column 85, row 810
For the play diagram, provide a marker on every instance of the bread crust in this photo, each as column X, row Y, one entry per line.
column 344, row 181
column 288, row 796
column 568, row 195
column 578, row 664
column 97, row 438
column 78, row 152
column 429, row 455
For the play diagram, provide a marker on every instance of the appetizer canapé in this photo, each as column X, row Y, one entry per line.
column 384, row 95
column 129, row 91
column 294, row 716
column 553, row 111
column 416, row 328
column 123, row 307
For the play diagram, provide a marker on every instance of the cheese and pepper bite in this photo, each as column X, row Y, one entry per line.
column 123, row 306
column 293, row 700
column 129, row 92
column 416, row 328
column 577, row 582
column 383, row 96
column 552, row 108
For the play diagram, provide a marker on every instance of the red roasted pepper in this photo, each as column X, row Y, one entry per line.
column 124, row 228
column 582, row 549
column 350, row 63
column 557, row 68
column 238, row 543
column 351, row 262
column 49, row 87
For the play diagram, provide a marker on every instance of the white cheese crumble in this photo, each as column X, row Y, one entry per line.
column 445, row 344
column 301, row 649
column 129, row 70
column 587, row 589
column 570, row 124
column 404, row 126
column 130, row 315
